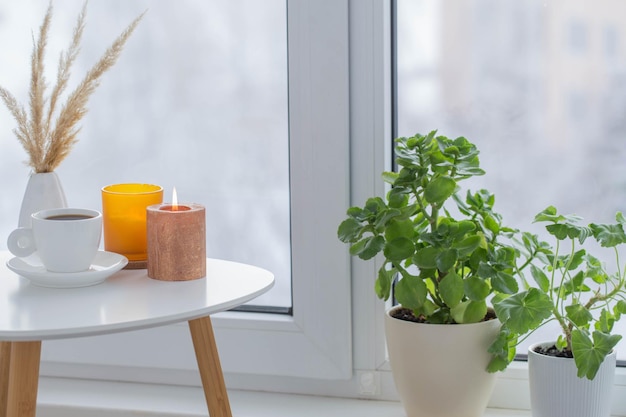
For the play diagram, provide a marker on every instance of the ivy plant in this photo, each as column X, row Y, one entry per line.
column 570, row 286
column 446, row 255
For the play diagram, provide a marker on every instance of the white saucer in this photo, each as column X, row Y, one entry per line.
column 104, row 265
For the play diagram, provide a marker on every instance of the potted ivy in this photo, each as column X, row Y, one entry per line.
column 443, row 258
column 571, row 375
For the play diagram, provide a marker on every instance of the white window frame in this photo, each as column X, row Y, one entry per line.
column 316, row 341
column 511, row 390
column 340, row 141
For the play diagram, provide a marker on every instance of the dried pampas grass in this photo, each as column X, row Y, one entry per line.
column 47, row 143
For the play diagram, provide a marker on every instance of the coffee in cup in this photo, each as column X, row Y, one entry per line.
column 66, row 239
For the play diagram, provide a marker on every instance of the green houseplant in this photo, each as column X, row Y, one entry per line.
column 575, row 289
column 447, row 256
column 459, row 261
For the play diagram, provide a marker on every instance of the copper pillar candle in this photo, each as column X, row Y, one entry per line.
column 176, row 242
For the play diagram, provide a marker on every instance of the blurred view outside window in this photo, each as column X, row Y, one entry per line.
column 197, row 101
column 539, row 86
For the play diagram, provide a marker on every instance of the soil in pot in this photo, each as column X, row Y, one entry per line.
column 553, row 351
column 406, row 314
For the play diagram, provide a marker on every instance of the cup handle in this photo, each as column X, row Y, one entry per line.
column 21, row 242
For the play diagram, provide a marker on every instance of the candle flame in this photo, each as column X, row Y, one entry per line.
column 174, row 200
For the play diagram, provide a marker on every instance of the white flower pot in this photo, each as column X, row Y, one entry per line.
column 556, row 390
column 43, row 191
column 440, row 369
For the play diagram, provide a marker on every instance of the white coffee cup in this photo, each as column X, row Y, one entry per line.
column 66, row 239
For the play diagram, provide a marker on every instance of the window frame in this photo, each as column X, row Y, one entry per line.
column 340, row 52
column 511, row 390
column 314, row 342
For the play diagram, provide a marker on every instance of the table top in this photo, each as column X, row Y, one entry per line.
column 128, row 300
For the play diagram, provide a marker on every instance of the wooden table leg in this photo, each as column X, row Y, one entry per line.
column 5, row 360
column 23, row 379
column 210, row 367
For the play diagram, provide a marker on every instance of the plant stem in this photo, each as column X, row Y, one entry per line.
column 422, row 209
column 555, row 309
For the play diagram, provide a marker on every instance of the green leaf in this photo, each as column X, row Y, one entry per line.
column 584, row 234
column 578, row 314
column 398, row 197
column 486, row 271
column 606, row 321
column 451, row 289
column 548, row 214
column 451, row 150
column 609, row 235
column 383, row 282
column 375, row 204
column 389, row 177
column 368, row 247
column 469, row 311
column 440, row 316
column 503, row 350
column 576, row 259
column 466, row 226
column 620, row 307
column 492, row 224
column 384, row 216
column 504, row 283
column 446, row 260
column 595, row 270
column 524, row 311
column 478, row 257
column 399, row 228
column 425, row 258
column 408, row 212
column 589, row 355
column 445, row 226
column 505, row 255
column 468, row 245
column 349, row 230
column 576, row 284
column 540, row 278
column 411, row 292
column 476, row 289
column 563, row 231
column 358, row 213
column 428, row 308
column 497, row 364
column 439, row 189
column 399, row 249
column 469, row 169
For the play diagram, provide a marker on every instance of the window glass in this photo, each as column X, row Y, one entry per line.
column 537, row 86
column 197, row 101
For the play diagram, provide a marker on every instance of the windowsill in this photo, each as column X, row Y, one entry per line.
column 61, row 397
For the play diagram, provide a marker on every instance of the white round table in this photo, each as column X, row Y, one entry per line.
column 128, row 300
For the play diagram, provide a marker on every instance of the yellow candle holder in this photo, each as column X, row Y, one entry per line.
column 124, row 219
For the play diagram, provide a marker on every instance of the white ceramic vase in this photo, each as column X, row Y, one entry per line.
column 556, row 390
column 43, row 191
column 440, row 369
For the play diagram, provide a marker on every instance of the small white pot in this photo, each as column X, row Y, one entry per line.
column 556, row 390
column 440, row 369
